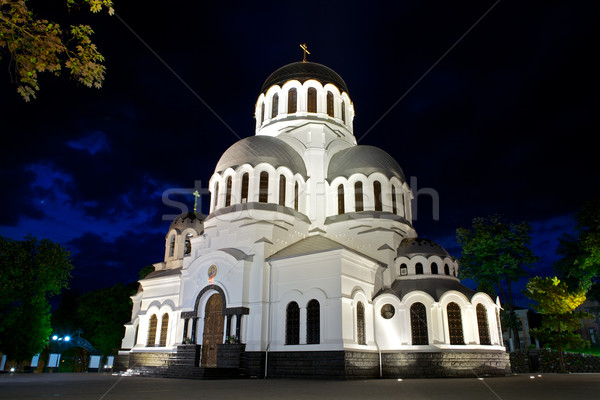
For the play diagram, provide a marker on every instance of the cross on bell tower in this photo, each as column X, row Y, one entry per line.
column 305, row 49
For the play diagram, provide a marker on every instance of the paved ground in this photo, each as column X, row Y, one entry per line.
column 108, row 387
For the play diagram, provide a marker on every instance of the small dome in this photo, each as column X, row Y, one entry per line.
column 411, row 247
column 363, row 159
column 254, row 150
column 303, row 71
column 188, row 220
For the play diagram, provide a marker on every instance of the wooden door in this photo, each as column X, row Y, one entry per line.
column 213, row 330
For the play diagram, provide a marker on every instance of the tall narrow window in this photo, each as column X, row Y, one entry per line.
column 216, row 194
column 330, row 104
column 244, row 196
column 434, row 268
column 263, row 189
column 419, row 269
column 292, row 101
column 360, row 323
column 402, row 208
column 455, row 324
column 296, row 196
column 394, row 205
column 152, row 331
column 341, row 208
column 377, row 195
column 358, row 196
column 281, row 190
column 228, row 192
column 292, row 323
column 275, row 105
column 262, row 113
column 312, row 100
column 482, row 324
column 446, row 269
column 313, row 322
column 164, row 328
column 343, row 112
column 172, row 246
column 188, row 244
column 418, row 324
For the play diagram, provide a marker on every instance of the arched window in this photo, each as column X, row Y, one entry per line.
column 341, row 208
column 244, row 196
column 313, row 322
column 419, row 269
column 446, row 269
column 228, row 192
column 394, row 205
column 358, row 196
column 360, row 323
column 263, row 190
column 281, row 190
column 343, row 112
column 434, row 268
column 292, row 323
column 262, row 113
column 188, row 244
column 164, row 328
column 403, row 269
column 418, row 324
column 296, row 196
column 330, row 104
column 377, row 196
column 312, row 100
column 216, row 194
column 292, row 101
column 455, row 324
column 402, row 209
column 482, row 324
column 275, row 105
column 172, row 246
column 152, row 331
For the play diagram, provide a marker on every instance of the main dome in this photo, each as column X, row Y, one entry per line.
column 365, row 160
column 303, row 71
column 254, row 150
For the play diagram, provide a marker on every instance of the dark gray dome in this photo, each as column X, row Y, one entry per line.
column 363, row 159
column 188, row 220
column 303, row 71
column 420, row 247
column 254, row 150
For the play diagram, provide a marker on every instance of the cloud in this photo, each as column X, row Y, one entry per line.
column 92, row 143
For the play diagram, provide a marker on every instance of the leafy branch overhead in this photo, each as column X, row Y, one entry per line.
column 33, row 45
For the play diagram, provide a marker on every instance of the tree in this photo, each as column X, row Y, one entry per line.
column 30, row 272
column 38, row 45
column 557, row 306
column 496, row 253
column 579, row 264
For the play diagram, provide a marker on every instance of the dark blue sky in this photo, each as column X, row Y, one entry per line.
column 504, row 123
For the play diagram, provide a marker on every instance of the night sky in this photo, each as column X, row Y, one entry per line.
column 504, row 122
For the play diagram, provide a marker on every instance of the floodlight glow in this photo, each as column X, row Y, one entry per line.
column 54, row 337
column 67, row 338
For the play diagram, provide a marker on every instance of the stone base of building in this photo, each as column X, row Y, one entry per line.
column 234, row 362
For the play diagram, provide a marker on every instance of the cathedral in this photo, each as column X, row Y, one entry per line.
column 308, row 264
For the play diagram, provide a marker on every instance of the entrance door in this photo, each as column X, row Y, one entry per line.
column 213, row 330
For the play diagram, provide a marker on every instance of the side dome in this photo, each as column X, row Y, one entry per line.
column 365, row 160
column 303, row 71
column 188, row 220
column 411, row 247
column 254, row 150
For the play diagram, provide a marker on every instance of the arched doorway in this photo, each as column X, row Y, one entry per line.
column 213, row 330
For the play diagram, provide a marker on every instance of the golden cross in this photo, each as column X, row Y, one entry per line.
column 196, row 195
column 305, row 49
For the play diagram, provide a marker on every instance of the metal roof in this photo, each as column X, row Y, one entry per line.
column 303, row 71
column 365, row 160
column 411, row 247
column 254, row 150
column 435, row 287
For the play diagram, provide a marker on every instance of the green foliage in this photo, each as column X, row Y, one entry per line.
column 37, row 45
column 579, row 264
column 494, row 251
column 146, row 270
column 560, row 321
column 30, row 272
column 102, row 313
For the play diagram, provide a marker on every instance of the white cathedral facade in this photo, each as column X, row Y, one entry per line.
column 307, row 264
